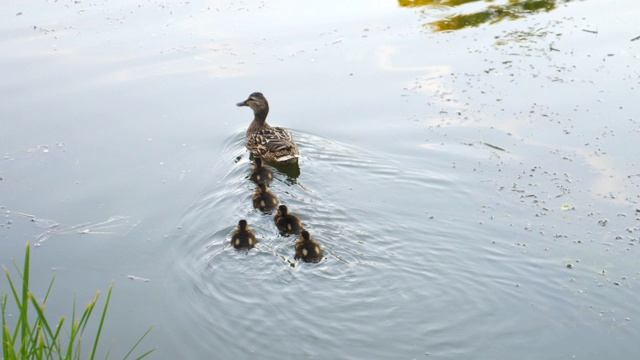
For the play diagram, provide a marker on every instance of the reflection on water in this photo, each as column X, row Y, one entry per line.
column 492, row 14
column 291, row 171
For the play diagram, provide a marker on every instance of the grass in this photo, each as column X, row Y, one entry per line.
column 35, row 337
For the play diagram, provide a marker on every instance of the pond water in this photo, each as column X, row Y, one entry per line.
column 476, row 190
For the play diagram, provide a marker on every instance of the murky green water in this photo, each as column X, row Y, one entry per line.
column 451, row 177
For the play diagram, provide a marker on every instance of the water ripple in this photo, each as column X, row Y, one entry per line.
column 381, row 260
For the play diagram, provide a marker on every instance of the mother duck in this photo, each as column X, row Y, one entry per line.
column 273, row 144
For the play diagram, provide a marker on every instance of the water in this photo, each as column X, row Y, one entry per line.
column 475, row 191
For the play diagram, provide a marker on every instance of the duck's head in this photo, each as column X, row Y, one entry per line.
column 258, row 103
column 304, row 235
column 282, row 210
column 262, row 188
column 257, row 162
column 242, row 224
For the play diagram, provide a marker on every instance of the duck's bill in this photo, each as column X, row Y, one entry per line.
column 242, row 103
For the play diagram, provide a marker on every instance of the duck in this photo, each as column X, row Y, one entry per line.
column 273, row 144
column 264, row 200
column 243, row 237
column 260, row 173
column 286, row 222
column 308, row 249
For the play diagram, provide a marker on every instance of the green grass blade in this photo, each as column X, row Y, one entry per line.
column 108, row 352
column 78, row 328
column 84, row 319
column 138, row 343
column 42, row 321
column 23, row 305
column 145, row 354
column 39, row 351
column 5, row 339
column 7, row 345
column 78, row 350
column 104, row 315
column 73, row 333
column 40, row 340
column 16, row 298
column 46, row 296
column 72, row 338
column 56, row 336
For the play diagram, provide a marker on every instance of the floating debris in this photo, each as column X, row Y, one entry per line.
column 54, row 227
column 492, row 146
column 567, row 206
column 44, row 223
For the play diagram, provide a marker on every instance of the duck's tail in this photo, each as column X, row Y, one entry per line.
column 287, row 159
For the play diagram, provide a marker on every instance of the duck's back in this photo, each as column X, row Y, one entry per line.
column 289, row 224
column 243, row 240
column 265, row 201
column 272, row 144
column 309, row 251
column 261, row 175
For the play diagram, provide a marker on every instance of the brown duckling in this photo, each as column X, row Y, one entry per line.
column 308, row 249
column 243, row 237
column 264, row 200
column 286, row 222
column 273, row 144
column 260, row 173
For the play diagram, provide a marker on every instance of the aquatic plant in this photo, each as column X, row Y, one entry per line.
column 40, row 338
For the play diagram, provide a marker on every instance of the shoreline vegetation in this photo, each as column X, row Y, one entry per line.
column 36, row 337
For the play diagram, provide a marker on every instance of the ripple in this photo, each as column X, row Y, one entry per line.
column 385, row 266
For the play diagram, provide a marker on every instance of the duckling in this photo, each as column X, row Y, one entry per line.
column 261, row 174
column 264, row 200
column 243, row 237
column 286, row 222
column 272, row 144
column 308, row 249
